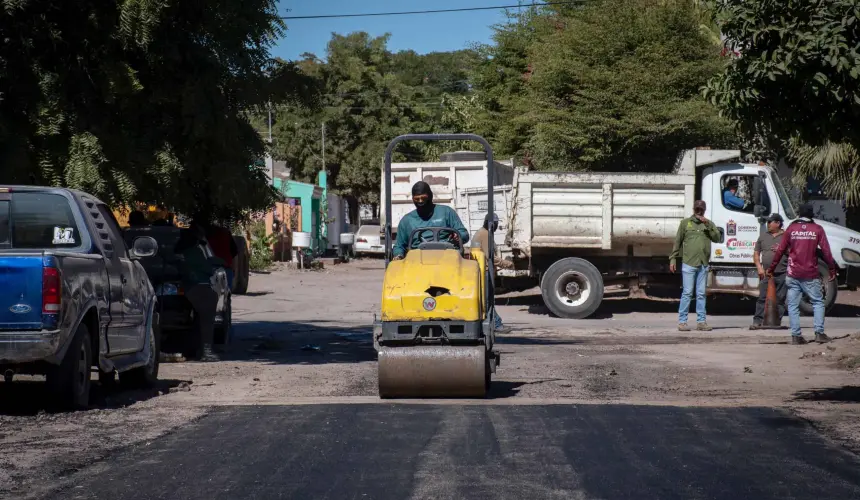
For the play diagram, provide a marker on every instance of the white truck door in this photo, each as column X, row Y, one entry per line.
column 740, row 225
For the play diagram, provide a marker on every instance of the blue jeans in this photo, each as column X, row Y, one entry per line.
column 693, row 276
column 498, row 319
column 812, row 289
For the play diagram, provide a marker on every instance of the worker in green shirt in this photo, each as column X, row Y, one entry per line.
column 427, row 214
column 693, row 246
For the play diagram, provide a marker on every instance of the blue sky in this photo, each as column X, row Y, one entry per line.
column 422, row 33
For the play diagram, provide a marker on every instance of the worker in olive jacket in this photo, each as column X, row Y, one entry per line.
column 693, row 246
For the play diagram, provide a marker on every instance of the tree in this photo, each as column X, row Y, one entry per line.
column 798, row 74
column 139, row 101
column 362, row 105
column 610, row 85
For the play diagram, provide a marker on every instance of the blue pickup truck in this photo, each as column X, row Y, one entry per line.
column 73, row 298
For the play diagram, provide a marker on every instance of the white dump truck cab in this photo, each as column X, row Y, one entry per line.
column 763, row 192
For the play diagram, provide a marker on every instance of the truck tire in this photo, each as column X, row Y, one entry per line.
column 147, row 375
column 572, row 288
column 69, row 382
column 241, row 266
column 830, row 292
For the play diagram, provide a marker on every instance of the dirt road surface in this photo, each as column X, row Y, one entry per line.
column 303, row 338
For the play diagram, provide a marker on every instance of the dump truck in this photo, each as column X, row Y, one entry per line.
column 573, row 234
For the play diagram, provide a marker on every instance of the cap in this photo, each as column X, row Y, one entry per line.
column 495, row 218
column 775, row 218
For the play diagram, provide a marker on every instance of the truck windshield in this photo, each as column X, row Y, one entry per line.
column 37, row 220
column 784, row 200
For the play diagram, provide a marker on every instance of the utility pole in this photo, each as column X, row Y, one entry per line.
column 270, row 164
column 323, row 146
column 270, row 122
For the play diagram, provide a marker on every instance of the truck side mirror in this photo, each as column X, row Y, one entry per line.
column 761, row 212
column 722, row 235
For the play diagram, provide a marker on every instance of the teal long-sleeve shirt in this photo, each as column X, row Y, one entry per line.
column 442, row 217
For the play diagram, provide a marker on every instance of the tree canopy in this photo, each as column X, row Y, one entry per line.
column 798, row 70
column 614, row 84
column 140, row 101
column 368, row 95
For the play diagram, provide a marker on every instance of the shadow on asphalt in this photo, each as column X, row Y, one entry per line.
column 844, row 394
column 724, row 305
column 257, row 294
column 31, row 397
column 286, row 342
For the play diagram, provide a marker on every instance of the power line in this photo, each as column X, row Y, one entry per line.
column 438, row 11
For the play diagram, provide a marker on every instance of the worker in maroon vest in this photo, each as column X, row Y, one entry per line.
column 801, row 240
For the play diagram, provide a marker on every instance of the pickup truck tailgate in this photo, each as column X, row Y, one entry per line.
column 21, row 292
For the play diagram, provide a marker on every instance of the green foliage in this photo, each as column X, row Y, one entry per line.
column 837, row 165
column 367, row 96
column 798, row 74
column 613, row 85
column 139, row 100
column 261, row 257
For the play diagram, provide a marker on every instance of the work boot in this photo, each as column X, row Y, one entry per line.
column 822, row 338
column 683, row 327
column 798, row 340
column 703, row 327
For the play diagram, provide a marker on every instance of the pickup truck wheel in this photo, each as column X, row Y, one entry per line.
column 69, row 382
column 830, row 289
column 572, row 288
column 147, row 375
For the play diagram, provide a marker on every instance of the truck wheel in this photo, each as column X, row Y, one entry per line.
column 829, row 288
column 69, row 382
column 572, row 288
column 147, row 375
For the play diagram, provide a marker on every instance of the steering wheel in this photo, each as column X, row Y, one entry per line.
column 435, row 238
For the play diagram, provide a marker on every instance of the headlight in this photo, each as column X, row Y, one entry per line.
column 850, row 256
column 167, row 289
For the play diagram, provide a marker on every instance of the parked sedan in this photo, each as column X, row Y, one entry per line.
column 369, row 240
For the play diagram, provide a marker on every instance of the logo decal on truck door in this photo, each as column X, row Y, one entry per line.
column 731, row 228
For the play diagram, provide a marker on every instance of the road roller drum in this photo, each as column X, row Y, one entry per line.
column 433, row 371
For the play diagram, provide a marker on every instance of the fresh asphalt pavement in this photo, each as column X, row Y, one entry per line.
column 494, row 449
column 401, row 451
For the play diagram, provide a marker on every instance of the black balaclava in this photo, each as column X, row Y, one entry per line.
column 425, row 209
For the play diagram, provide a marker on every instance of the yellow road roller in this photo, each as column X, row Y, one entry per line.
column 435, row 335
